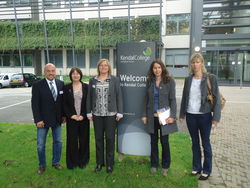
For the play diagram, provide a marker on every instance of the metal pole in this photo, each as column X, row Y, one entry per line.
column 218, row 63
column 72, row 35
column 160, row 29
column 18, row 38
column 129, row 21
column 240, row 74
column 100, row 30
column 45, row 33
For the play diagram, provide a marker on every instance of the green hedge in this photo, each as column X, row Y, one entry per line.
column 86, row 33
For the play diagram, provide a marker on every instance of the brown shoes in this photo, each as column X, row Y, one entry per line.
column 40, row 170
column 57, row 166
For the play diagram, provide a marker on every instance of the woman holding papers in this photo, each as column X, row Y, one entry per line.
column 104, row 107
column 197, row 110
column 160, row 103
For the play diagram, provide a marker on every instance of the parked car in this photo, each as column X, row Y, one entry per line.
column 5, row 79
column 25, row 79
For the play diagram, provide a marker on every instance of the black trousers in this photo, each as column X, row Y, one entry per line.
column 77, row 149
column 105, row 126
column 154, row 158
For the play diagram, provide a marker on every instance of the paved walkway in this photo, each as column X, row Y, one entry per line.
column 231, row 142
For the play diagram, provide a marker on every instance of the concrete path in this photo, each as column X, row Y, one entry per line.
column 231, row 142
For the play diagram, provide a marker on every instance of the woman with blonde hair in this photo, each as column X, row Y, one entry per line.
column 104, row 107
column 198, row 112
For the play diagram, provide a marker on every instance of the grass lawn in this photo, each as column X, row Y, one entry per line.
column 18, row 164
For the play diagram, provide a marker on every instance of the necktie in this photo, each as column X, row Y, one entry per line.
column 53, row 91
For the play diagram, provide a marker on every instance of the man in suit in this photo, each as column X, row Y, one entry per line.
column 47, row 108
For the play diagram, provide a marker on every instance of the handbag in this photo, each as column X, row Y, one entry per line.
column 211, row 98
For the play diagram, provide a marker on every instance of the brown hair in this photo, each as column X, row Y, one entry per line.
column 194, row 58
column 165, row 76
column 77, row 70
column 99, row 63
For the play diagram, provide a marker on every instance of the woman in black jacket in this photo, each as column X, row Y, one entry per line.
column 75, row 95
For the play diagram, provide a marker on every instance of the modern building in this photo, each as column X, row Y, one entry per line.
column 220, row 29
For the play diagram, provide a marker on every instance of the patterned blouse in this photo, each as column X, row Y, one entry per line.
column 102, row 92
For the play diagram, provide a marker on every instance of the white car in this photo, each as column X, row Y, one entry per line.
column 5, row 79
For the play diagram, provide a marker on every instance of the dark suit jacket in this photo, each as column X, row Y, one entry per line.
column 69, row 102
column 44, row 107
column 167, row 98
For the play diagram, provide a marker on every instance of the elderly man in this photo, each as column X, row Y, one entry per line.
column 47, row 108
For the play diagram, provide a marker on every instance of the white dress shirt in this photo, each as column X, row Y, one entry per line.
column 54, row 84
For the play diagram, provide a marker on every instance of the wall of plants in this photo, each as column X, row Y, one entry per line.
column 86, row 33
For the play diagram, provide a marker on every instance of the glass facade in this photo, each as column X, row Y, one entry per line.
column 226, row 40
column 229, row 66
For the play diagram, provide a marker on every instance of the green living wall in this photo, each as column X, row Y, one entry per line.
column 86, row 33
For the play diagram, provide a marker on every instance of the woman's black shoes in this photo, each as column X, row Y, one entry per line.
column 195, row 173
column 98, row 168
column 109, row 169
column 204, row 176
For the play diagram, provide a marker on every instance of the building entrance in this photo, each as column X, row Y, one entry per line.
column 231, row 67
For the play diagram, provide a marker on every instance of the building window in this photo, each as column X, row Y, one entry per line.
column 16, row 60
column 96, row 1
column 5, row 60
column 18, row 2
column 51, row 2
column 79, row 58
column 95, row 57
column 178, row 24
column 75, row 2
column 177, row 58
column 26, row 58
column 55, row 57
column 226, row 43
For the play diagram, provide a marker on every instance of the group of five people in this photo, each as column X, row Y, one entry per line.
column 100, row 101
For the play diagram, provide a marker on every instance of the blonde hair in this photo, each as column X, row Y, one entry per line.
column 99, row 63
column 194, row 58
